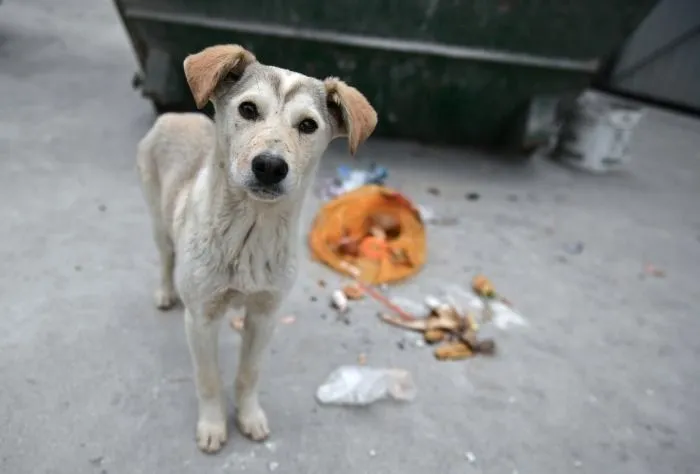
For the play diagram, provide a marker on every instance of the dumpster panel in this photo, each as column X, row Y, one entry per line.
column 460, row 74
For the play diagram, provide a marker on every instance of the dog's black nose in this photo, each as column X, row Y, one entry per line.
column 269, row 169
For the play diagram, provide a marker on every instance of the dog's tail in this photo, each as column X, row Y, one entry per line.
column 148, row 172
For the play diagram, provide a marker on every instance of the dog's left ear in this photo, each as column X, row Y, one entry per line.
column 353, row 114
column 204, row 70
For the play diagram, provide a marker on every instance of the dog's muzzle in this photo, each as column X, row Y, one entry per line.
column 266, row 193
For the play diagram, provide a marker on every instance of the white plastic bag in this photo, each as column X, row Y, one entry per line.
column 359, row 385
column 500, row 314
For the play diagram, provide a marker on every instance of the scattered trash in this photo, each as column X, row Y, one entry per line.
column 372, row 453
column 374, row 229
column 272, row 466
column 272, row 447
column 498, row 311
column 237, row 323
column 410, row 339
column 362, row 359
column 432, row 302
column 470, row 457
column 348, row 180
column 289, row 320
column 472, row 196
column 353, row 292
column 408, row 306
column 453, row 321
column 482, row 286
column 651, row 270
column 454, row 351
column 322, row 283
column 339, row 301
column 574, row 248
column 445, row 324
column 429, row 216
column 313, row 299
column 376, row 295
column 426, row 213
column 388, row 223
column 357, row 385
column 433, row 336
column 433, row 191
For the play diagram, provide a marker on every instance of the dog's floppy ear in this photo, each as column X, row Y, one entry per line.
column 204, row 70
column 354, row 116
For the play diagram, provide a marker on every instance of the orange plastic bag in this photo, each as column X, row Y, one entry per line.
column 349, row 217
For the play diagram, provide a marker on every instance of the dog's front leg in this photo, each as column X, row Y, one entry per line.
column 203, row 339
column 259, row 326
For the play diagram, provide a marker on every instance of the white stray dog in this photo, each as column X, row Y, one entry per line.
column 225, row 198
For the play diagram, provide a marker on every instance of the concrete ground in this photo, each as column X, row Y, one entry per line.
column 93, row 379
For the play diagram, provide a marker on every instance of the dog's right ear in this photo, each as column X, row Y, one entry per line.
column 204, row 70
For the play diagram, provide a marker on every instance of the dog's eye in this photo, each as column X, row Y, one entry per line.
column 232, row 77
column 248, row 111
column 308, row 126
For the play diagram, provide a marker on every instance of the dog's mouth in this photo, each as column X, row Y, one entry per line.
column 266, row 193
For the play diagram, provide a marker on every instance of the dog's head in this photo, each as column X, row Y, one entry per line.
column 273, row 125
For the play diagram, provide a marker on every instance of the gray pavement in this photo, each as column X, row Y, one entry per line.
column 93, row 379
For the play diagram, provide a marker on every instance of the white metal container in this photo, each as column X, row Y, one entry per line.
column 596, row 133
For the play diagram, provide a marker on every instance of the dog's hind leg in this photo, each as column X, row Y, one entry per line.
column 165, row 295
column 257, row 333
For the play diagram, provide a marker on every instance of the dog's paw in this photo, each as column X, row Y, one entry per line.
column 253, row 423
column 211, row 436
column 165, row 298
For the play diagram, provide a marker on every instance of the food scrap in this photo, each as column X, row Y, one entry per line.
column 433, row 336
column 339, row 301
column 375, row 294
column 453, row 351
column 483, row 287
column 237, row 323
column 353, row 292
column 458, row 332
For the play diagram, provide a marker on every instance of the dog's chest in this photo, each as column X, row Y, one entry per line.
column 261, row 258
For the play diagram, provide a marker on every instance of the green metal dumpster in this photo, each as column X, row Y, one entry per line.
column 457, row 71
